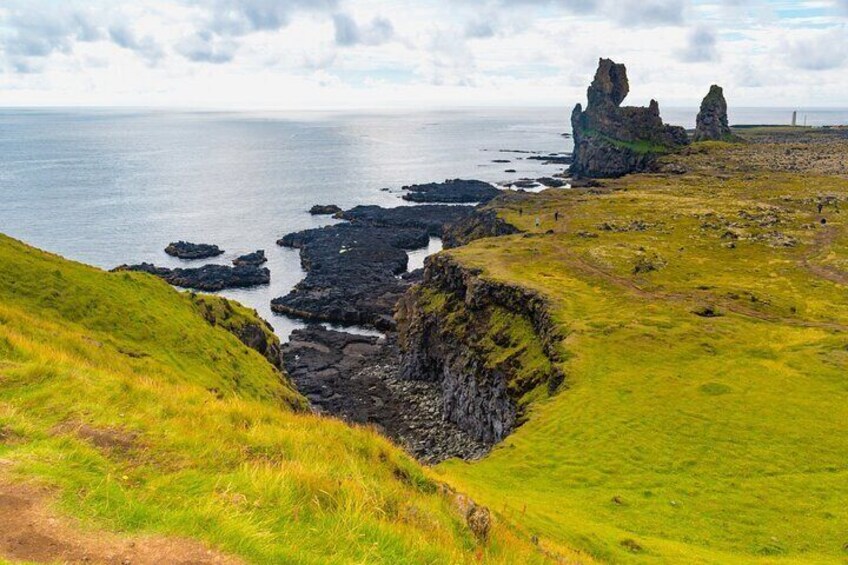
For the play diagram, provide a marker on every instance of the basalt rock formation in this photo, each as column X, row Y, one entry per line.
column 256, row 258
column 209, row 277
column 186, row 250
column 352, row 273
column 450, row 334
column 355, row 377
column 433, row 219
column 711, row 124
column 611, row 140
column 324, row 210
column 456, row 191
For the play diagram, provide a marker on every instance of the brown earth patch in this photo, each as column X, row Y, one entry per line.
column 31, row 531
column 110, row 438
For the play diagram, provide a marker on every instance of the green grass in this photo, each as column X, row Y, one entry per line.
column 682, row 438
column 204, row 438
column 642, row 146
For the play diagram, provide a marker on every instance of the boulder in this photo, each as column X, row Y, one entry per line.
column 324, row 210
column 611, row 140
column 186, row 250
column 711, row 124
column 256, row 258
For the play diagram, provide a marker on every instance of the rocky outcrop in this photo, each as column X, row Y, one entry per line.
column 355, row 377
column 456, row 191
column 480, row 224
column 711, row 124
column 246, row 325
column 432, row 219
column 186, row 250
column 352, row 273
column 256, row 258
column 611, row 140
column 324, row 210
column 448, row 334
column 209, row 277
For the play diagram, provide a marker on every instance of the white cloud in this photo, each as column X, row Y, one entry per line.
column 701, row 47
column 352, row 53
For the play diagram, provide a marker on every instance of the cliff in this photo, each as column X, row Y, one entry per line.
column 492, row 347
column 611, row 140
column 147, row 413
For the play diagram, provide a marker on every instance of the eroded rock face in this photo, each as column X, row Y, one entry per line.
column 711, row 124
column 450, row 350
column 611, row 140
column 480, row 224
column 355, row 377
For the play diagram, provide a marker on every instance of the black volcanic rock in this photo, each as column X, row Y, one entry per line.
column 324, row 210
column 352, row 273
column 256, row 258
column 711, row 124
column 482, row 223
column 208, row 277
column 432, row 219
column 611, row 140
column 456, row 191
column 551, row 182
column 356, row 378
column 552, row 159
column 186, row 250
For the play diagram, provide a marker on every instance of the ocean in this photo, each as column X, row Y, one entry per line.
column 113, row 186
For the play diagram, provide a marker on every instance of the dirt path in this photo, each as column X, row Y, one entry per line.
column 821, row 244
column 31, row 531
column 587, row 268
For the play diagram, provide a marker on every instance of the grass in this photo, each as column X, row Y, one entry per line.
column 197, row 435
column 683, row 438
column 642, row 146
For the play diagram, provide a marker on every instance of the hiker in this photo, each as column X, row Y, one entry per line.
column 556, row 216
column 820, row 207
column 538, row 221
column 521, row 211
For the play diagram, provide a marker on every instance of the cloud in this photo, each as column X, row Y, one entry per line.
column 701, row 47
column 147, row 48
column 480, row 29
column 820, row 52
column 240, row 17
column 348, row 33
column 34, row 34
column 206, row 47
column 630, row 13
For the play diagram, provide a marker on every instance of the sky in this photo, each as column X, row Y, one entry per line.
column 391, row 54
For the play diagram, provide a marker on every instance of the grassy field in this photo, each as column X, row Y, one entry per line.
column 706, row 414
column 141, row 416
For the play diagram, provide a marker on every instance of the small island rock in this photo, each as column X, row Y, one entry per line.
column 186, row 250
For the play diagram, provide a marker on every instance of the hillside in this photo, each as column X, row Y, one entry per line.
column 704, row 415
column 124, row 410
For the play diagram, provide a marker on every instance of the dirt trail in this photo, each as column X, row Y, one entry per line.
column 31, row 531
column 823, row 241
column 587, row 268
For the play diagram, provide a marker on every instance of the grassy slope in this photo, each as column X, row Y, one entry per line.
column 684, row 438
column 187, row 432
